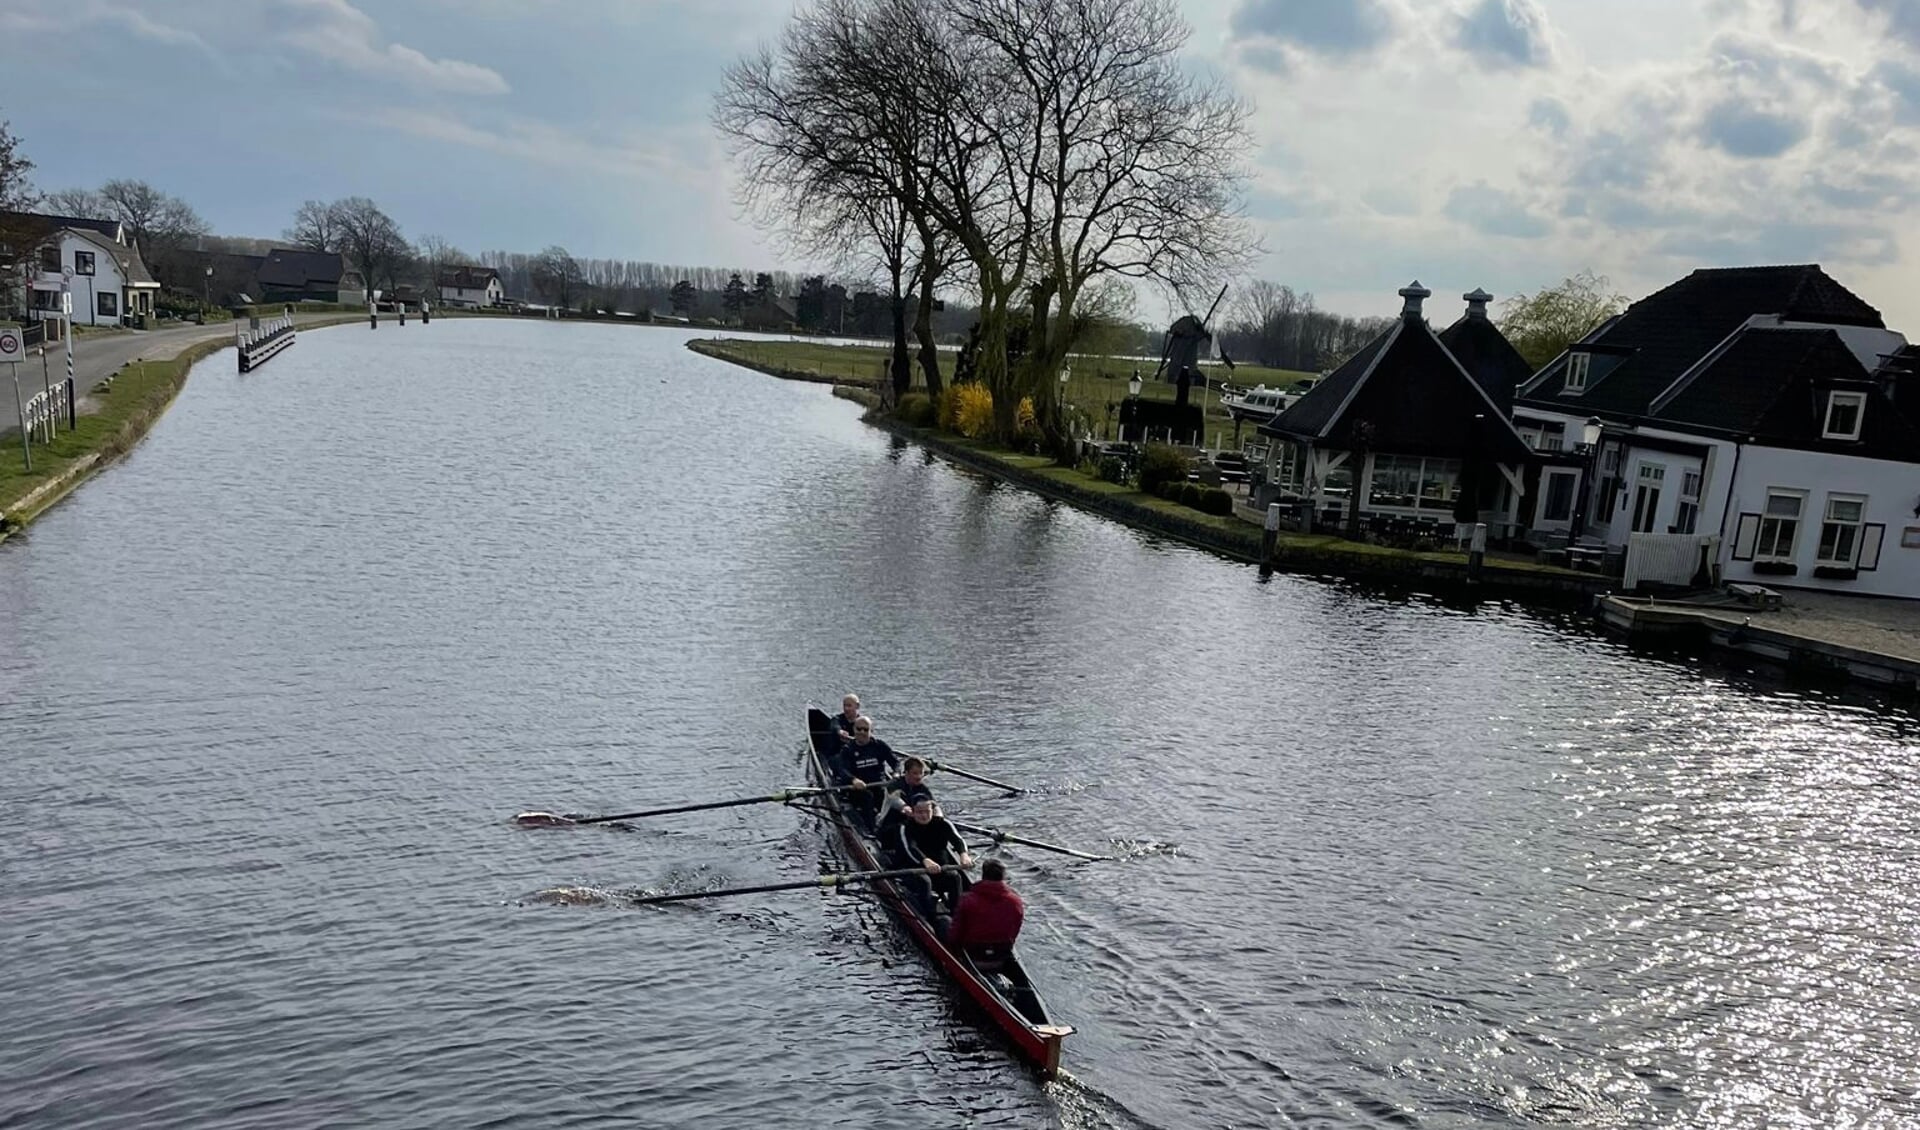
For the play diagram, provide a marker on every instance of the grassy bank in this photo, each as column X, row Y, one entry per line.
column 1095, row 385
column 1238, row 537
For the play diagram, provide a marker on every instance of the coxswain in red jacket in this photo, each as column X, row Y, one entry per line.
column 989, row 914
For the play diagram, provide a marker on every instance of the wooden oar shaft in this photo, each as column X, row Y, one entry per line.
column 999, row 836
column 770, row 798
column 822, row 882
column 945, row 767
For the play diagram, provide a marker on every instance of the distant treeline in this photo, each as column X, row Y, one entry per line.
column 1274, row 325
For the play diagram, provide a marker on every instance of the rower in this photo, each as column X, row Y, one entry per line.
column 901, row 792
column 840, row 734
column 987, row 921
column 926, row 840
column 867, row 761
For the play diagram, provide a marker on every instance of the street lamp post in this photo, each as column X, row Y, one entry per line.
column 1590, row 435
column 206, row 295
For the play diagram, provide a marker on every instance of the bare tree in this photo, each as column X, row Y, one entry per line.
column 1052, row 141
column 315, row 227
column 436, row 255
column 81, row 203
column 369, row 240
column 556, row 276
column 18, row 233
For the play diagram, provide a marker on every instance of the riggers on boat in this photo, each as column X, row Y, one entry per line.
column 1005, row 994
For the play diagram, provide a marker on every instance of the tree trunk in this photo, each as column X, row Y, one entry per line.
column 990, row 365
column 923, row 333
column 901, row 368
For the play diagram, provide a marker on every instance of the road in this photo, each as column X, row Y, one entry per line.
column 96, row 355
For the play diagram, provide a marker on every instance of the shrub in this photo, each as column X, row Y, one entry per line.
column 1112, row 469
column 1190, row 494
column 916, row 410
column 1160, row 464
column 1025, row 423
column 1216, row 501
column 968, row 409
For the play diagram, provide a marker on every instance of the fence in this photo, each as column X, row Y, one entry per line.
column 42, row 415
column 259, row 342
column 1670, row 559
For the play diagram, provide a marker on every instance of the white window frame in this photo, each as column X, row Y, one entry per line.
column 1848, row 559
column 1769, row 519
column 1836, row 399
column 1686, row 513
column 1578, row 365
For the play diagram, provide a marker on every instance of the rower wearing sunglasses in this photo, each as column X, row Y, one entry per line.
column 867, row 762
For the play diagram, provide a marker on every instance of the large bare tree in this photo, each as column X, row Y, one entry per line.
column 18, row 232
column 1053, row 142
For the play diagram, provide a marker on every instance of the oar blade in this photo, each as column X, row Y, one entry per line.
column 544, row 820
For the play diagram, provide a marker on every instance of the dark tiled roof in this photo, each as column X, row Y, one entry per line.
column 1488, row 357
column 296, row 268
column 468, row 278
column 1772, row 384
column 1413, row 393
column 1673, row 328
column 26, row 220
column 1309, row 416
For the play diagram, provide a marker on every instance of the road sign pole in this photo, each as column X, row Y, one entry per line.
column 20, row 412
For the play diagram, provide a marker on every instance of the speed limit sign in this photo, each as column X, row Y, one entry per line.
column 12, row 348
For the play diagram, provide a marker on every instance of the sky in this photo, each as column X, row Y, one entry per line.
column 1503, row 144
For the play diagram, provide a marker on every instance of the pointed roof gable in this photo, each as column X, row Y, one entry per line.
column 1664, row 334
column 1485, row 353
column 1411, row 390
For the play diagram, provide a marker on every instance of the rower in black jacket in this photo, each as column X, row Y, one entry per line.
column 867, row 762
column 926, row 840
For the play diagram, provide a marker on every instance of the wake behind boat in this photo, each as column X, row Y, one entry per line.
column 1003, row 991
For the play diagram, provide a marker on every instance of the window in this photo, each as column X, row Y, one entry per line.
column 83, row 262
column 1577, row 372
column 1844, row 410
column 50, row 259
column 1686, row 515
column 1840, row 532
column 1410, row 482
column 1779, row 526
column 109, row 306
column 1558, row 505
column 1646, row 496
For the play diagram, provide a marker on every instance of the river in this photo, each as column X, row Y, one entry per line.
column 271, row 690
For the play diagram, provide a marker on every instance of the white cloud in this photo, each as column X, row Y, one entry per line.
column 337, row 32
column 1505, row 33
column 83, row 13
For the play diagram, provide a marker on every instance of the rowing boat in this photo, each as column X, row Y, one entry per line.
column 1006, row 995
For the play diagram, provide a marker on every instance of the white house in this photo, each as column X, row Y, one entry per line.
column 1769, row 406
column 471, row 286
column 106, row 279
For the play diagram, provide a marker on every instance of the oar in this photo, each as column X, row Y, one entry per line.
column 944, row 767
column 549, row 819
column 999, row 837
column 824, row 882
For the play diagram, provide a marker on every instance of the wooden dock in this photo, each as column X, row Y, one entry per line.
column 1806, row 647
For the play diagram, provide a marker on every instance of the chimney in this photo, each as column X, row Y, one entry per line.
column 1415, row 294
column 1477, row 300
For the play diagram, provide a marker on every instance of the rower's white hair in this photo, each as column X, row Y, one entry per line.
column 850, row 697
column 865, row 719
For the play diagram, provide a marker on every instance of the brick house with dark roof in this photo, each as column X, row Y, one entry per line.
column 1768, row 409
column 1413, row 430
column 294, row 274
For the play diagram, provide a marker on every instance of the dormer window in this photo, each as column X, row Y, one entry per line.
column 1844, row 412
column 1577, row 372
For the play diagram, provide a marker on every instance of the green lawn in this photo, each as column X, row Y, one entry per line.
column 1094, row 383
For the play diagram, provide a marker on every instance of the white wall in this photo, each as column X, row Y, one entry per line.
column 1892, row 490
column 87, row 289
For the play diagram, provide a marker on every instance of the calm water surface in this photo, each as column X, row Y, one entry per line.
column 270, row 690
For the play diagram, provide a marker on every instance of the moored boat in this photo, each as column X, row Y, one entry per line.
column 1004, row 994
